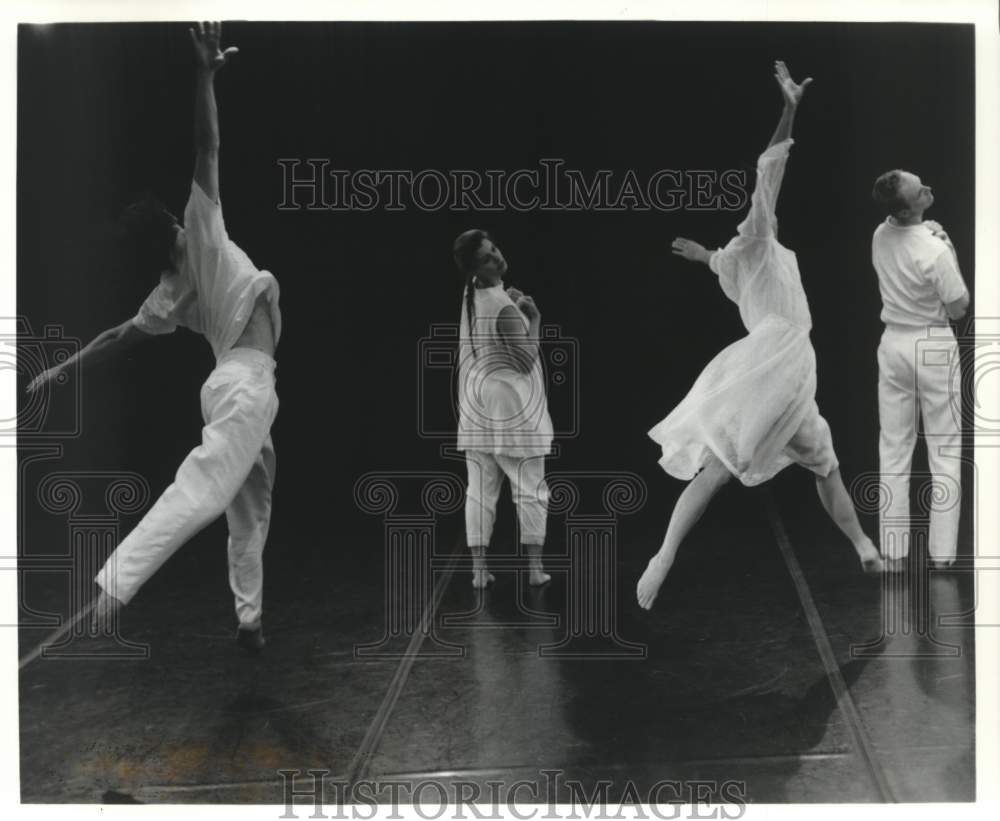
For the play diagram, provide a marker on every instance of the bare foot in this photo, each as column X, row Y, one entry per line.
column 871, row 561
column 482, row 577
column 537, row 575
column 649, row 584
column 104, row 610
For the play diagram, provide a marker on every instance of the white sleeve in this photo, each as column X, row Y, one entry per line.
column 203, row 221
column 947, row 278
column 761, row 221
column 725, row 265
column 155, row 315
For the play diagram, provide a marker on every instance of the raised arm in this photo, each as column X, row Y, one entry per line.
column 113, row 340
column 760, row 219
column 792, row 92
column 209, row 58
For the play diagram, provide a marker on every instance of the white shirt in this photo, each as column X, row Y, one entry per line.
column 500, row 409
column 217, row 287
column 917, row 275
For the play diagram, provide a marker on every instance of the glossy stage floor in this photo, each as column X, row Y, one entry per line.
column 770, row 669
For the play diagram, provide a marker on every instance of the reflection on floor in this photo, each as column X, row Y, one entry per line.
column 541, row 694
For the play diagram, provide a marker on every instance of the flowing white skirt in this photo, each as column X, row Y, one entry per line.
column 745, row 407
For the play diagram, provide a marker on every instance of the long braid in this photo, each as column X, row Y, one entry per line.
column 470, row 307
column 464, row 251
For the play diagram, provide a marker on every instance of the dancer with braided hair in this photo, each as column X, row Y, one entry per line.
column 504, row 425
column 752, row 411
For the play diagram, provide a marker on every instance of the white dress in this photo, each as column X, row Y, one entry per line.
column 758, row 394
column 501, row 410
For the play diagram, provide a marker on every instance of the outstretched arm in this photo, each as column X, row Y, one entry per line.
column 209, row 58
column 792, row 92
column 101, row 347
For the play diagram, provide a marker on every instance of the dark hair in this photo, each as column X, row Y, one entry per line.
column 464, row 252
column 147, row 231
column 886, row 193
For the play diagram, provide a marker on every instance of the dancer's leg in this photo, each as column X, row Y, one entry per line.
column 838, row 505
column 940, row 405
column 897, row 438
column 238, row 418
column 531, row 499
column 480, row 510
column 688, row 510
column 249, row 516
column 812, row 447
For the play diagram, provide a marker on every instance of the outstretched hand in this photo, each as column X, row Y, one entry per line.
column 43, row 379
column 791, row 90
column 207, row 53
column 689, row 249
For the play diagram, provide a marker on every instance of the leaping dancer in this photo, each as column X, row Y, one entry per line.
column 209, row 285
column 752, row 411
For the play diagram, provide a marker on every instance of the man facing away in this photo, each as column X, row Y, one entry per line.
column 207, row 284
column 922, row 289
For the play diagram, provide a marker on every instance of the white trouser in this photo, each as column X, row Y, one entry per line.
column 919, row 366
column 528, row 490
column 232, row 471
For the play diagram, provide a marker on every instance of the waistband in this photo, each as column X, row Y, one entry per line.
column 937, row 331
column 247, row 356
column 780, row 319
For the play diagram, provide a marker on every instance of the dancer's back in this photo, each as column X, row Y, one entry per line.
column 218, row 290
column 501, row 408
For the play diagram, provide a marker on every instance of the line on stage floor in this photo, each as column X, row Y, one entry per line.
column 373, row 737
column 826, row 654
column 54, row 636
column 151, row 790
column 630, row 767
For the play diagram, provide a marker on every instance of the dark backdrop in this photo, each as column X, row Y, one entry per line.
column 104, row 112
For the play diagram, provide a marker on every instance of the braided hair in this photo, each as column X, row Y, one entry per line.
column 465, row 252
